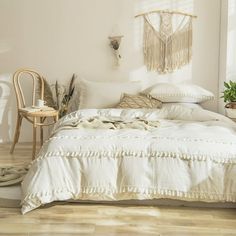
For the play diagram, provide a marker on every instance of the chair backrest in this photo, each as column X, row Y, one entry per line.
column 35, row 76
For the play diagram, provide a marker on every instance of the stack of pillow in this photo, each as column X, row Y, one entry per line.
column 100, row 95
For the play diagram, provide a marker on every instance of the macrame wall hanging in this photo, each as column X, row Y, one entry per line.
column 166, row 50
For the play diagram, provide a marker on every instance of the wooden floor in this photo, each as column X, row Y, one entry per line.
column 66, row 219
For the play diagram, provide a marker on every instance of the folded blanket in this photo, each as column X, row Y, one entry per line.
column 12, row 175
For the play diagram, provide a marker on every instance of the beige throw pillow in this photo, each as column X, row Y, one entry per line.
column 138, row 101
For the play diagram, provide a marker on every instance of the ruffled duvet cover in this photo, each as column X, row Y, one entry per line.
column 191, row 156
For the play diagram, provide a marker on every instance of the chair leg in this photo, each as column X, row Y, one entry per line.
column 17, row 132
column 41, row 132
column 34, row 138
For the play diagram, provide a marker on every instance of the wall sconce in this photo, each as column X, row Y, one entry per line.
column 115, row 42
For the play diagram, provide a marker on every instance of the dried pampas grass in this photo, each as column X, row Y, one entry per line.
column 48, row 95
column 57, row 96
column 67, row 97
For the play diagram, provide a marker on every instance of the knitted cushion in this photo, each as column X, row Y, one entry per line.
column 138, row 101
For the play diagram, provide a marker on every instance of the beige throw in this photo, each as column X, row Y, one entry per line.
column 100, row 122
column 12, row 175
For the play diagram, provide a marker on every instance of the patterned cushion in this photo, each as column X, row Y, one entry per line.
column 138, row 101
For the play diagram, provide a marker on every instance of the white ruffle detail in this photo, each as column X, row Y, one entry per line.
column 33, row 201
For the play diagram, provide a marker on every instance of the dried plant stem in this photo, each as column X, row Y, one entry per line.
column 57, row 95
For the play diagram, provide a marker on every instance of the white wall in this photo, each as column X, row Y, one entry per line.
column 223, row 52
column 61, row 37
column 206, row 47
column 231, row 45
column 228, row 46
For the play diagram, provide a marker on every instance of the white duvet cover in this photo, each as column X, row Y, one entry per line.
column 190, row 156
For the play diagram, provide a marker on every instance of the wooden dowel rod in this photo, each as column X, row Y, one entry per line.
column 166, row 11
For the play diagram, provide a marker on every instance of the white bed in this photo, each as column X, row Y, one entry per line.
column 191, row 156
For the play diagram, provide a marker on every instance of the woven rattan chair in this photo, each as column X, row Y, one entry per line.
column 36, row 118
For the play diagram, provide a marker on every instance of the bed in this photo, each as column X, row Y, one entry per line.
column 176, row 152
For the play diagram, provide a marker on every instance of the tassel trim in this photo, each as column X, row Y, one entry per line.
column 141, row 154
column 185, row 139
column 201, row 98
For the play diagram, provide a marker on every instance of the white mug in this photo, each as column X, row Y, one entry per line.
column 40, row 103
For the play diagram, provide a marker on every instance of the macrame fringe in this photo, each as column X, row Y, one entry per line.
column 165, row 51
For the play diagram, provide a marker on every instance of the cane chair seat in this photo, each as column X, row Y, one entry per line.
column 39, row 113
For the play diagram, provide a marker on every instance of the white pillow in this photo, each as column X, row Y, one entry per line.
column 99, row 95
column 186, row 104
column 190, row 93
